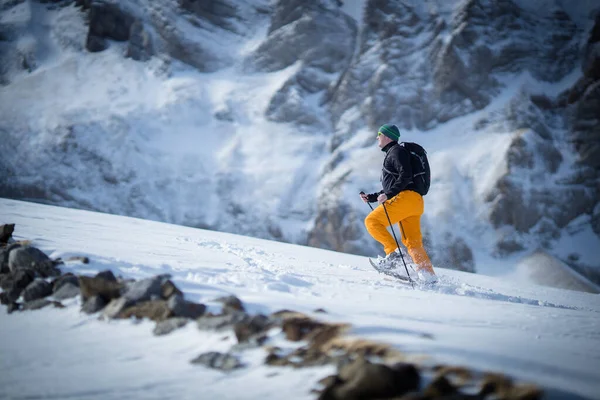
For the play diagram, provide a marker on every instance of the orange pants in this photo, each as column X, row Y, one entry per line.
column 405, row 209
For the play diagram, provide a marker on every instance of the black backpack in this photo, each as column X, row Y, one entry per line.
column 420, row 167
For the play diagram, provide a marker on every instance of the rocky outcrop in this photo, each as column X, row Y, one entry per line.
column 295, row 28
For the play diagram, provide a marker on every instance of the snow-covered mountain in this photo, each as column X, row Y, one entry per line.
column 258, row 117
column 469, row 323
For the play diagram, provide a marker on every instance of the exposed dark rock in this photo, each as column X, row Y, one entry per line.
column 108, row 20
column 216, row 360
column 20, row 279
column 39, row 304
column 37, row 289
column 12, row 307
column 99, row 287
column 455, row 254
column 114, row 307
column 222, row 13
column 31, row 257
column 362, row 379
column 169, row 325
column 220, row 322
column 182, row 308
column 93, row 305
column 295, row 29
column 95, row 44
column 107, row 275
column 67, row 291
column 67, row 278
column 231, row 304
column 140, row 42
column 156, row 310
column 146, row 289
column 168, row 289
column 251, row 328
column 440, row 387
column 6, row 232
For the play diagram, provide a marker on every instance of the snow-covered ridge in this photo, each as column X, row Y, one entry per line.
column 241, row 121
column 542, row 335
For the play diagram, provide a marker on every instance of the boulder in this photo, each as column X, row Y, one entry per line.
column 97, row 286
column 6, row 232
column 145, row 289
column 215, row 360
column 37, row 289
column 107, row 275
column 93, row 304
column 140, row 42
column 156, row 310
column 39, row 304
column 67, row 291
column 169, row 325
column 182, row 308
column 251, row 328
column 231, row 304
column 362, row 379
column 169, row 289
column 114, row 308
column 67, row 278
column 31, row 257
column 220, row 322
column 108, row 20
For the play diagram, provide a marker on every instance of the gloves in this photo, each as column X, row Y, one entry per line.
column 372, row 197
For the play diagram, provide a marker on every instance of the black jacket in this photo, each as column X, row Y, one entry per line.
column 396, row 173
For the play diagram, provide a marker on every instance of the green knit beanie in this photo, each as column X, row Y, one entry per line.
column 390, row 131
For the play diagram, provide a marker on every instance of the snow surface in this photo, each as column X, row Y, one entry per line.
column 549, row 336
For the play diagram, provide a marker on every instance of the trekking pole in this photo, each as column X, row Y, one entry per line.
column 397, row 244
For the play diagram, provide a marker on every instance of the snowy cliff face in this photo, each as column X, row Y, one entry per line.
column 258, row 117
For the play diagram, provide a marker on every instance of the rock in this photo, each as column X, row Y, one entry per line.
column 114, row 307
column 67, row 278
column 220, row 322
column 12, row 307
column 19, row 279
column 140, row 42
column 37, row 289
column 216, row 360
column 145, row 289
column 231, row 304
column 169, row 325
column 107, row 275
column 439, row 388
column 29, row 257
column 156, row 310
column 256, row 325
column 363, row 379
column 4, row 299
column 168, row 289
column 39, row 304
column 297, row 329
column 181, row 308
column 99, row 287
column 93, row 305
column 6, row 232
column 108, row 20
column 454, row 253
column 67, row 291
column 95, row 44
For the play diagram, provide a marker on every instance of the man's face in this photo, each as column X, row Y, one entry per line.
column 383, row 140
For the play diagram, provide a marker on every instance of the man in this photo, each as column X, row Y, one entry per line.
column 402, row 203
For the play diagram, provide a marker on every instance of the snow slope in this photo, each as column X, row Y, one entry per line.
column 549, row 336
column 161, row 140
